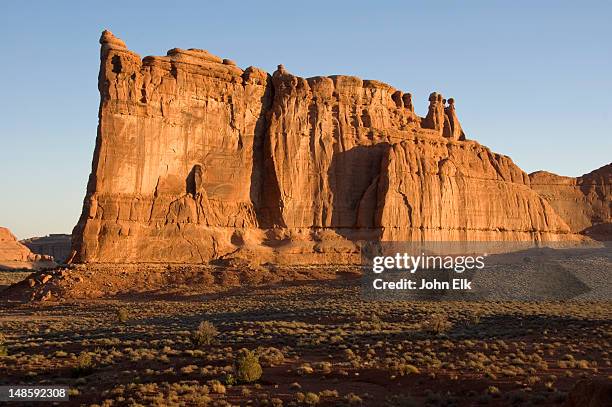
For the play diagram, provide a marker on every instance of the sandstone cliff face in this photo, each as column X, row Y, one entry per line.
column 436, row 189
column 173, row 169
column 197, row 159
column 14, row 255
column 585, row 203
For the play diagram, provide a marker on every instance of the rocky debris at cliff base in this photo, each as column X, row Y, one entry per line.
column 159, row 281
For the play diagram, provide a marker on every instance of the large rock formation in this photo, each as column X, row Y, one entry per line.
column 584, row 203
column 14, row 255
column 197, row 159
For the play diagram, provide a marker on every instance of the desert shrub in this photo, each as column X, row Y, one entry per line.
column 329, row 393
column 349, row 354
column 271, row 357
column 188, row 369
column 305, row 369
column 323, row 367
column 473, row 318
column 216, row 387
column 3, row 348
column 311, row 399
column 353, row 399
column 437, row 324
column 406, row 369
column 84, row 365
column 205, row 334
column 247, row 367
column 230, row 379
column 123, row 315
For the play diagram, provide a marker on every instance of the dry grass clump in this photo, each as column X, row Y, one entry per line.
column 309, row 398
column 3, row 348
column 407, row 369
column 84, row 365
column 437, row 324
column 270, row 356
column 205, row 334
column 216, row 387
column 123, row 315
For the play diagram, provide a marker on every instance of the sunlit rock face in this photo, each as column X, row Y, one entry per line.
column 14, row 255
column 197, row 159
column 584, row 203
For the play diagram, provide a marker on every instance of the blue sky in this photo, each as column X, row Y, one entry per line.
column 532, row 80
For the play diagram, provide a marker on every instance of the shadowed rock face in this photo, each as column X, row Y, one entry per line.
column 197, row 159
column 585, row 203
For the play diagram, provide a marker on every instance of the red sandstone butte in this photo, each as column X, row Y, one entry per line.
column 197, row 159
column 14, row 255
column 585, row 203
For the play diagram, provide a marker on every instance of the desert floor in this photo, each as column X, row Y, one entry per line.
column 318, row 342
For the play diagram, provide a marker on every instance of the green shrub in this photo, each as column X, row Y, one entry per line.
column 205, row 334
column 230, row 380
column 247, row 367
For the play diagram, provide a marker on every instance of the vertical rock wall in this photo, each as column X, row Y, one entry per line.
column 196, row 159
column 585, row 203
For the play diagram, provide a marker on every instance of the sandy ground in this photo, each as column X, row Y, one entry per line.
column 329, row 347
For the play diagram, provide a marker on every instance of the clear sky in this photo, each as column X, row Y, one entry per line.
column 532, row 79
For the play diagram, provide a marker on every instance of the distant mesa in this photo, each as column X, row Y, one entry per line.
column 14, row 255
column 56, row 245
column 197, row 159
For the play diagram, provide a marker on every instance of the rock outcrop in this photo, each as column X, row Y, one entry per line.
column 197, row 159
column 14, row 255
column 584, row 203
column 56, row 245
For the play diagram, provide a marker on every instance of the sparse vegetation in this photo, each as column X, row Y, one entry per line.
column 308, row 339
column 205, row 334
